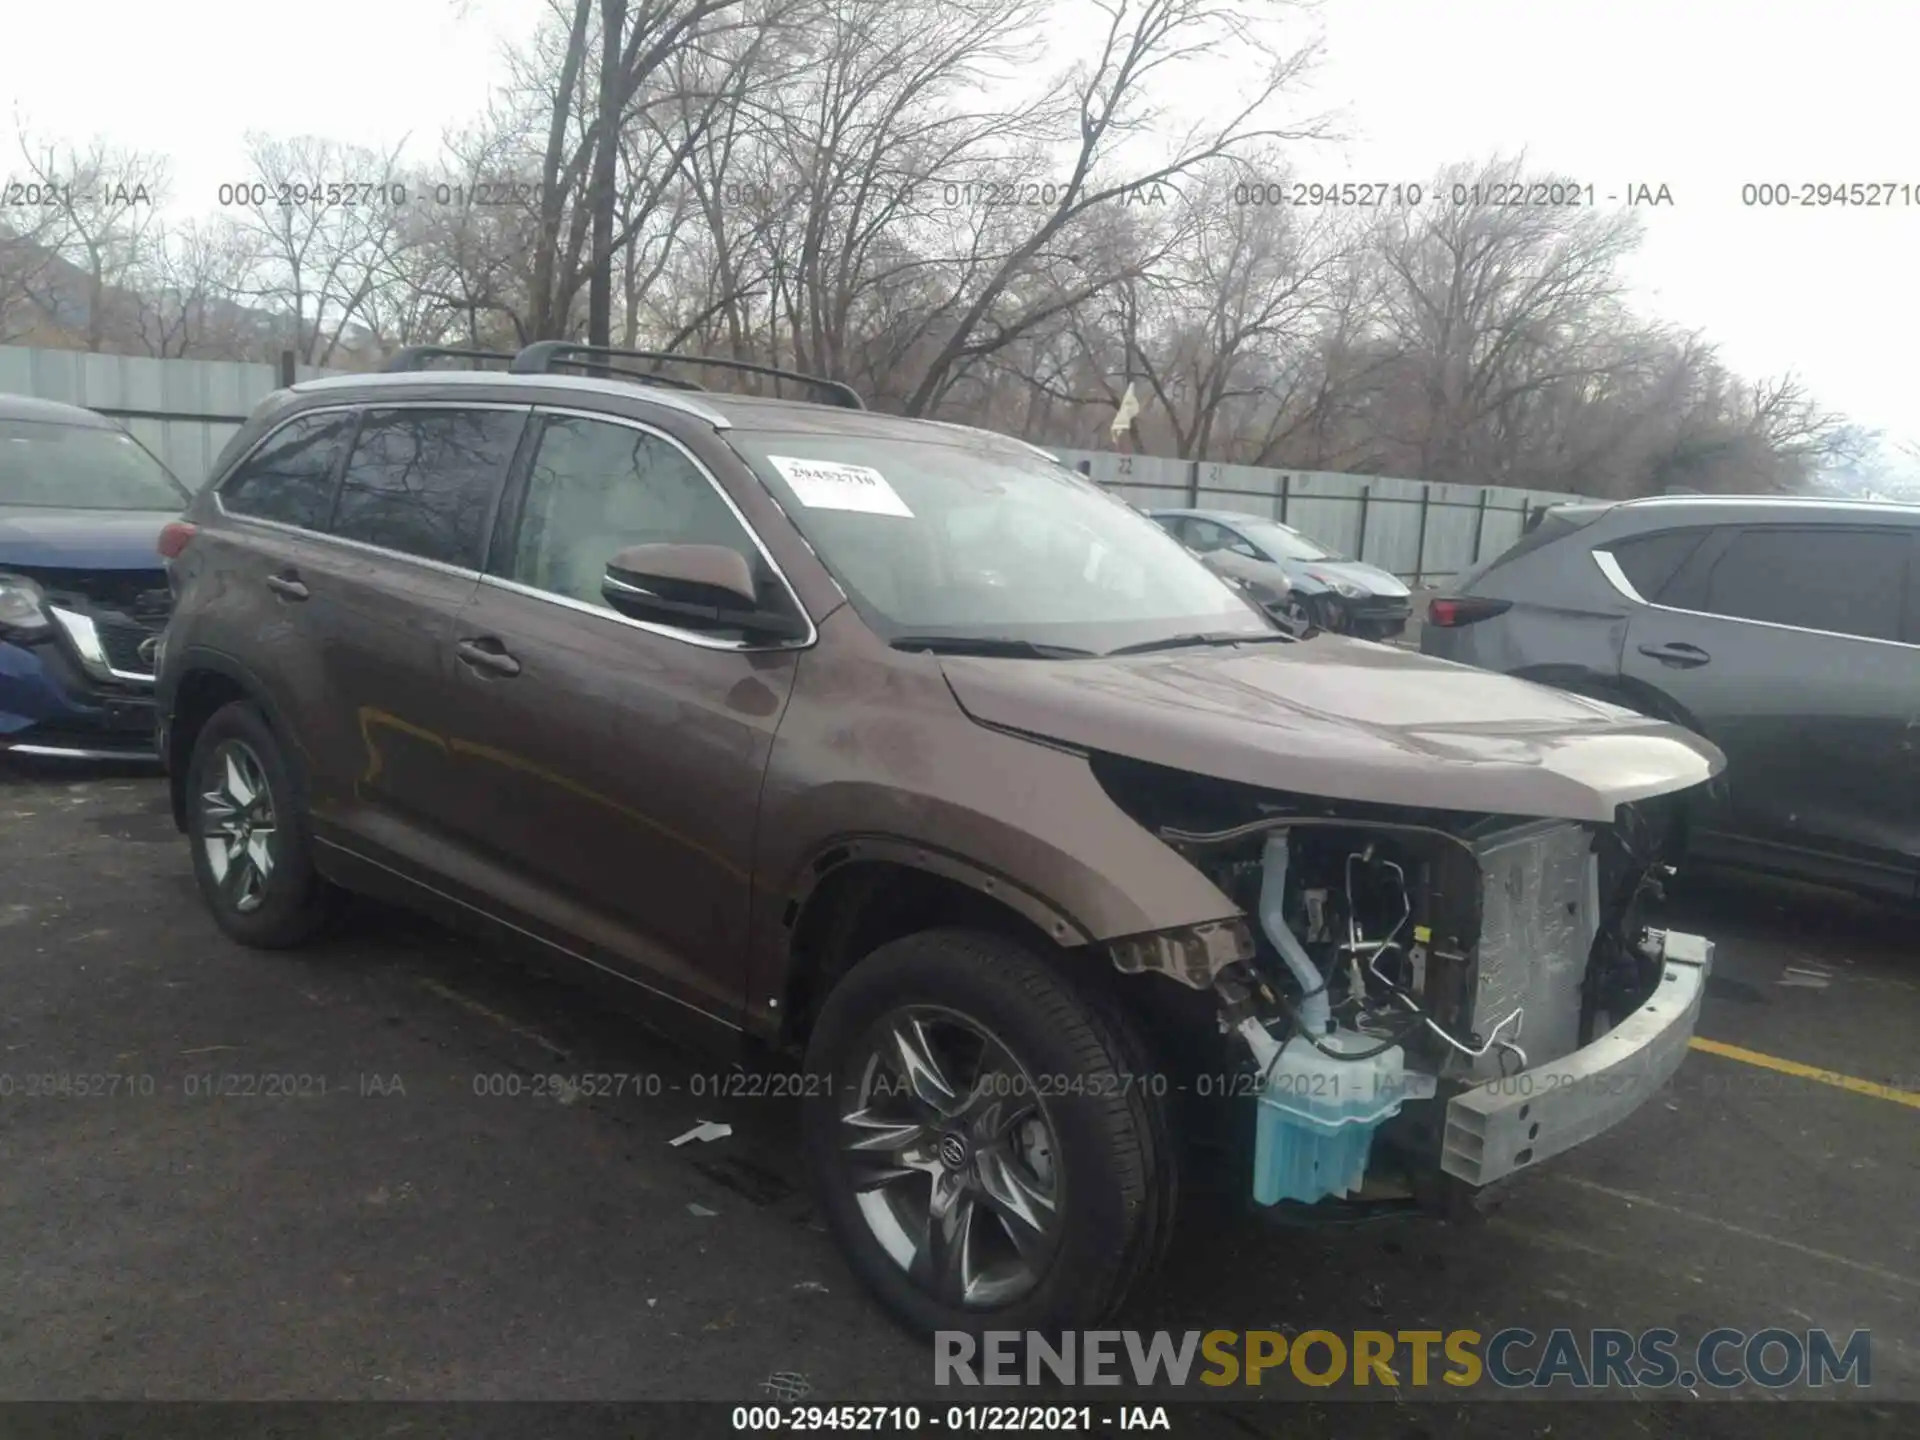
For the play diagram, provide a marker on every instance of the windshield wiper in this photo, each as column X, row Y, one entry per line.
column 1212, row 637
column 989, row 645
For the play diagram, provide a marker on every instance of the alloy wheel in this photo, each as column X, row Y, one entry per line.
column 953, row 1162
column 237, row 825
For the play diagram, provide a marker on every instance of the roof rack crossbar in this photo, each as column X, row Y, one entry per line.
column 415, row 357
column 542, row 355
column 645, row 377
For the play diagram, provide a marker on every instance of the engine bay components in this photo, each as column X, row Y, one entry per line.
column 1392, row 961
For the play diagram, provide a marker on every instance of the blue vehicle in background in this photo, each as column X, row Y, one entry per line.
column 83, row 588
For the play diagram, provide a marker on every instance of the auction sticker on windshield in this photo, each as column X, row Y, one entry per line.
column 828, row 485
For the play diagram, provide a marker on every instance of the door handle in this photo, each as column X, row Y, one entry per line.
column 1678, row 654
column 488, row 655
column 288, row 586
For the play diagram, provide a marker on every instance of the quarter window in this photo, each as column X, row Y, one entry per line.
column 1650, row 561
column 1850, row 582
column 596, row 488
column 289, row 479
column 422, row 482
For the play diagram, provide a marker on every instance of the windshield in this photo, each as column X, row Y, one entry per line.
column 970, row 541
column 1282, row 542
column 79, row 467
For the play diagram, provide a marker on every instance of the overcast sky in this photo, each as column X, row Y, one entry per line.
column 1702, row 98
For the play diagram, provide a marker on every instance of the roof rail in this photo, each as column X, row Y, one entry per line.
column 645, row 377
column 415, row 357
column 540, row 357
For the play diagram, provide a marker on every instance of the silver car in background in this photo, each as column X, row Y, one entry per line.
column 1292, row 576
column 1785, row 630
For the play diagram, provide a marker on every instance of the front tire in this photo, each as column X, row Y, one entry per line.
column 983, row 1141
column 251, row 856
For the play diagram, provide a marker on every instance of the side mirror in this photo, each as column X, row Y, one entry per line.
column 696, row 587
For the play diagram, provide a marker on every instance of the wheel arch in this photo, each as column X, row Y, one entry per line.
column 859, row 892
column 207, row 681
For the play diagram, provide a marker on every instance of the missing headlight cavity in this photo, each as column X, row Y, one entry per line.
column 1480, row 944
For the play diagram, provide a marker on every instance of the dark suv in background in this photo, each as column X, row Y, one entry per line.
column 1785, row 630
column 898, row 748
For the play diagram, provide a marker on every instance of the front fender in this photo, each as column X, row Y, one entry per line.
column 881, row 754
column 893, row 849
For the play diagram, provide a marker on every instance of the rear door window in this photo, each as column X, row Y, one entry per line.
column 1650, row 561
column 289, row 479
column 1846, row 581
column 423, row 481
column 1205, row 537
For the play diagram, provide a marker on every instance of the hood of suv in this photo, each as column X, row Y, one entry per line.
column 45, row 539
column 1346, row 720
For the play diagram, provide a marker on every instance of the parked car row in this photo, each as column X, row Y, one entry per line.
column 900, row 753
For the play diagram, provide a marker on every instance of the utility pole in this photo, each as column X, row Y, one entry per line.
column 606, row 158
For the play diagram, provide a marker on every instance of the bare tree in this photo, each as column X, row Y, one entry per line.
column 320, row 258
column 103, row 203
column 1108, row 106
column 186, row 289
column 1245, row 282
column 1492, row 304
column 589, row 78
column 814, row 183
column 26, row 256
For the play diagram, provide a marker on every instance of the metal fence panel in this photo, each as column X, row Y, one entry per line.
column 182, row 410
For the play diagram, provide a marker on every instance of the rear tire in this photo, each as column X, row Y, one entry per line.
column 251, row 854
column 957, row 1072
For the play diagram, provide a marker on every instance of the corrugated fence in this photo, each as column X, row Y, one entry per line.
column 1420, row 531
column 185, row 410
column 182, row 410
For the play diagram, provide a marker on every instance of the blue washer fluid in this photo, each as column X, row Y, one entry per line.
column 1317, row 1115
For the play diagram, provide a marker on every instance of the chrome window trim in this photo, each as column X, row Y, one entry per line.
column 1617, row 577
column 464, row 572
column 670, row 632
column 1610, row 568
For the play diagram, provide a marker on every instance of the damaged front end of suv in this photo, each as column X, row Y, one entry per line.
column 1422, row 1002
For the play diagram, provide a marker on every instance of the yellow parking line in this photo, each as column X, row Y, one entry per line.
column 1807, row 1072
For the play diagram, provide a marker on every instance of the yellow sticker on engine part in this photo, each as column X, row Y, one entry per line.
column 1423, row 933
